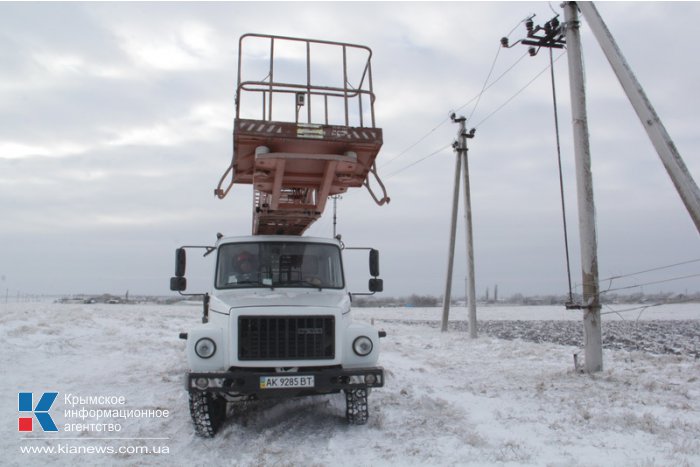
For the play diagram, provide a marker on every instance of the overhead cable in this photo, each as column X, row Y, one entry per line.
column 517, row 93
column 447, row 119
column 437, row 151
column 659, row 268
column 486, row 81
column 476, row 98
column 662, row 281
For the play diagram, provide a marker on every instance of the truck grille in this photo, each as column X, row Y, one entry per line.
column 286, row 337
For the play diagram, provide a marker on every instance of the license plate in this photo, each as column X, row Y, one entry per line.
column 284, row 382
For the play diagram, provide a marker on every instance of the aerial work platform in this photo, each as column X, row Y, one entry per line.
column 316, row 141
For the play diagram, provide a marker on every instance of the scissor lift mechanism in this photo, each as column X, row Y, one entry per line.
column 294, row 166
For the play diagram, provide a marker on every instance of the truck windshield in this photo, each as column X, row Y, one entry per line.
column 279, row 264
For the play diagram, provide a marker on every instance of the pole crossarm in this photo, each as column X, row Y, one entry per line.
column 552, row 36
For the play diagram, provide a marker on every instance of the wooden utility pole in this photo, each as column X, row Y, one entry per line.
column 592, row 333
column 460, row 147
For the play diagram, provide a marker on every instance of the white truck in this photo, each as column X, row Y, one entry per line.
column 277, row 321
column 276, row 324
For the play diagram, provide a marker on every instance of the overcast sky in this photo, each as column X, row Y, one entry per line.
column 116, row 122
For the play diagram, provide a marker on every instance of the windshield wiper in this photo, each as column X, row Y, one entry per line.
column 246, row 282
column 307, row 283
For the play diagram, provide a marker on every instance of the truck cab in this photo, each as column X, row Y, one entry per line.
column 277, row 323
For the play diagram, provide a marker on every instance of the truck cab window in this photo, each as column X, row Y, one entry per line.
column 279, row 264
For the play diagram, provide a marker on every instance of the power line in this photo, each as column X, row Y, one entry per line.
column 517, row 93
column 507, row 70
column 659, row 268
column 642, row 308
column 474, row 98
column 414, row 144
column 447, row 119
column 437, row 151
column 662, row 281
column 486, row 81
column 527, row 18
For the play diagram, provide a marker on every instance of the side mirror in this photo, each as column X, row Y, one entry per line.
column 178, row 284
column 376, row 285
column 180, row 262
column 373, row 262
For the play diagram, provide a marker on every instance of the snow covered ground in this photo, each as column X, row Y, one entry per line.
column 448, row 399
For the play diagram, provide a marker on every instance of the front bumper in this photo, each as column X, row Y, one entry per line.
column 247, row 382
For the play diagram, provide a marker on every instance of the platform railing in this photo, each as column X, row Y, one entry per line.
column 283, row 100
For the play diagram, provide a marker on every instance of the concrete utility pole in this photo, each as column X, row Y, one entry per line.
column 592, row 333
column 671, row 159
column 451, row 253
column 461, row 150
column 471, row 288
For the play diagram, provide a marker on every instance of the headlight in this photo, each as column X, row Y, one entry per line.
column 205, row 347
column 362, row 346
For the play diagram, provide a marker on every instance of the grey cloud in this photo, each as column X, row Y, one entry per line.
column 106, row 217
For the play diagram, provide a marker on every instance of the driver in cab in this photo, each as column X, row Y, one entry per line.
column 245, row 268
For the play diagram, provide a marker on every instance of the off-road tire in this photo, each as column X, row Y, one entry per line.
column 357, row 410
column 208, row 413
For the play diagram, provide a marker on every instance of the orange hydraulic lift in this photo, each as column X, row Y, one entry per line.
column 293, row 163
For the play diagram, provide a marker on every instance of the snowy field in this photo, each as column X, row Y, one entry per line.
column 448, row 399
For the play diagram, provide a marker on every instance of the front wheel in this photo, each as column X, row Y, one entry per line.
column 357, row 410
column 208, row 413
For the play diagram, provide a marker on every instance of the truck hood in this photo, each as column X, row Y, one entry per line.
column 228, row 301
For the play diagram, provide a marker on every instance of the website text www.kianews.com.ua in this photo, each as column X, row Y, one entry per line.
column 65, row 448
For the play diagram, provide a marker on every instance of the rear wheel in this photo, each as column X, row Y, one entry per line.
column 208, row 413
column 357, row 410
